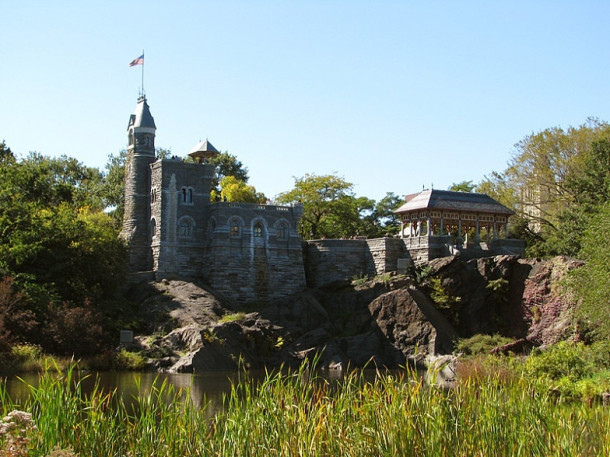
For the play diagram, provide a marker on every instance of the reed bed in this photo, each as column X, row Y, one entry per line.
column 301, row 414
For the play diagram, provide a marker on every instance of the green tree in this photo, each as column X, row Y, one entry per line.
column 385, row 220
column 590, row 282
column 544, row 163
column 463, row 186
column 497, row 187
column 113, row 187
column 6, row 155
column 59, row 250
column 330, row 207
column 234, row 190
column 226, row 165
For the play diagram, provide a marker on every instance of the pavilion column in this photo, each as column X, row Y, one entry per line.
column 410, row 228
column 506, row 230
column 442, row 226
column 495, row 236
column 418, row 227
column 477, row 233
column 460, row 240
column 428, row 227
column 402, row 229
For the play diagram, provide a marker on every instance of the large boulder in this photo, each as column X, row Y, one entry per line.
column 409, row 322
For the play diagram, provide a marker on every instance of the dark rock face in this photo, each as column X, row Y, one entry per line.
column 409, row 322
column 385, row 323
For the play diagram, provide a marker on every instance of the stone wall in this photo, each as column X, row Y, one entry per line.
column 180, row 198
column 385, row 253
column 331, row 261
column 253, row 253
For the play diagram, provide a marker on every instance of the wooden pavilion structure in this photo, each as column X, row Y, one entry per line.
column 441, row 222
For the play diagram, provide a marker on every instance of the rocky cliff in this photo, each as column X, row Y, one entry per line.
column 385, row 321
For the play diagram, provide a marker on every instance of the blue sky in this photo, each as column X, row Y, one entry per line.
column 390, row 95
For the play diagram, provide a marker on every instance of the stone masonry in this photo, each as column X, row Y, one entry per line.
column 249, row 253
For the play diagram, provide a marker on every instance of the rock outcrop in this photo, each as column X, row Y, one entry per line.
column 383, row 322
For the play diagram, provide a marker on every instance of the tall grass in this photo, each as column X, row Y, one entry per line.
column 300, row 413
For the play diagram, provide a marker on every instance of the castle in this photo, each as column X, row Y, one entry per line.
column 253, row 253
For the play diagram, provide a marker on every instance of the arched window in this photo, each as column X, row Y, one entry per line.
column 211, row 225
column 258, row 230
column 234, row 228
column 153, row 228
column 185, row 228
column 186, row 196
column 282, row 232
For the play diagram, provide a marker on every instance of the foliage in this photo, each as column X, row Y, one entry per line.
column 463, row 186
column 422, row 273
column 300, row 413
column 590, row 190
column 16, row 323
column 499, row 288
column 234, row 190
column 25, row 352
column 480, row 344
column 563, row 360
column 331, row 210
column 126, row 360
column 384, row 219
column 440, row 295
column 226, row 165
column 544, row 162
column 572, row 370
column 113, row 187
column 589, row 282
column 59, row 253
column 497, row 187
column 233, row 317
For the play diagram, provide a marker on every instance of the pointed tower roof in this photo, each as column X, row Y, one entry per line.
column 142, row 116
column 203, row 150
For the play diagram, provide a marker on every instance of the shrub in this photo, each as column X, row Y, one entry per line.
column 499, row 289
column 75, row 331
column 480, row 344
column 563, row 360
column 125, row 360
column 233, row 317
column 26, row 352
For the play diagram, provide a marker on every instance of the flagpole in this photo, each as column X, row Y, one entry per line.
column 143, row 93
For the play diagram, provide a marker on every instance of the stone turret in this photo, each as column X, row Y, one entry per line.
column 137, row 229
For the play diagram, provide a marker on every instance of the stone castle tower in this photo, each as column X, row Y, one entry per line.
column 244, row 251
column 140, row 155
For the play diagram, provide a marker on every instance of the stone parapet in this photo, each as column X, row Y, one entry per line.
column 330, row 261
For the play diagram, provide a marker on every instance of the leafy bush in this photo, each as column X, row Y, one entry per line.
column 480, row 344
column 441, row 297
column 563, row 360
column 233, row 317
column 590, row 281
column 75, row 331
column 125, row 360
column 26, row 352
column 499, row 289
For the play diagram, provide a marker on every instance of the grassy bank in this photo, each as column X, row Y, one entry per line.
column 297, row 414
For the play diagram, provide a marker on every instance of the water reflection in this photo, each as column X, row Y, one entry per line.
column 206, row 389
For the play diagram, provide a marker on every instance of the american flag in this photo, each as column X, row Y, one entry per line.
column 138, row 61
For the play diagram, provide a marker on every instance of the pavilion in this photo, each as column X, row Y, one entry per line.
column 436, row 223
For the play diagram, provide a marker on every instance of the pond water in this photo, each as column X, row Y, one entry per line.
column 207, row 388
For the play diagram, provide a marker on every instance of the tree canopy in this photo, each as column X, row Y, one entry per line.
column 59, row 252
column 332, row 210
